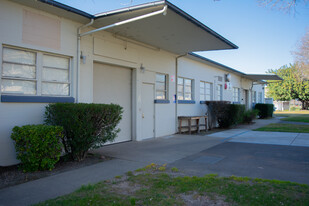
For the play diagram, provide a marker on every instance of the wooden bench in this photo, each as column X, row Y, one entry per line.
column 190, row 126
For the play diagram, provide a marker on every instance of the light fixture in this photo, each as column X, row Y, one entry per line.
column 83, row 58
column 227, row 77
column 142, row 68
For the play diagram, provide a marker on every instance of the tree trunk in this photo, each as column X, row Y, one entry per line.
column 302, row 105
column 306, row 105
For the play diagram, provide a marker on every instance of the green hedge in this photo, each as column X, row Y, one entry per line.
column 226, row 114
column 86, row 126
column 249, row 115
column 265, row 110
column 38, row 147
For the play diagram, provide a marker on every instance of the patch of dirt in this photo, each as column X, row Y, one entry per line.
column 197, row 200
column 125, row 188
column 11, row 175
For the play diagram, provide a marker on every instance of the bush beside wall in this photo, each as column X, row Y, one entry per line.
column 249, row 115
column 38, row 147
column 226, row 114
column 265, row 110
column 86, row 126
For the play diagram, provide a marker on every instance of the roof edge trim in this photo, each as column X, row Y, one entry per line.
column 126, row 9
column 67, row 8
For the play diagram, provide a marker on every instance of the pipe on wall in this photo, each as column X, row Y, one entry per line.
column 176, row 90
column 78, row 57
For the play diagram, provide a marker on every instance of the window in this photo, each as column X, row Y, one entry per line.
column 219, row 92
column 260, row 97
column 236, row 94
column 184, row 89
column 34, row 73
column 161, row 86
column 205, row 91
column 254, row 97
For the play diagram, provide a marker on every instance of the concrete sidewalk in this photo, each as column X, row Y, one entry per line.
column 128, row 157
column 133, row 155
column 244, row 134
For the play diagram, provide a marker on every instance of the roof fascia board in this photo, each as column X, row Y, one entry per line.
column 127, row 9
column 67, row 8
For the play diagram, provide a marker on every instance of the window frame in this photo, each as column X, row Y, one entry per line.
column 260, row 97
column 236, row 98
column 165, row 91
column 254, row 97
column 39, row 66
column 183, row 92
column 219, row 94
column 205, row 91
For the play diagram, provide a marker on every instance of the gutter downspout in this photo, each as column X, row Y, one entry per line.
column 176, row 90
column 162, row 11
column 251, row 94
column 78, row 57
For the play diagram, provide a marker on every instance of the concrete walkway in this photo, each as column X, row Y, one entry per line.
column 257, row 137
column 128, row 157
column 133, row 155
column 244, row 134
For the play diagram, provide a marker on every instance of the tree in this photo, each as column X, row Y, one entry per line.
column 302, row 56
column 293, row 86
column 284, row 5
column 282, row 90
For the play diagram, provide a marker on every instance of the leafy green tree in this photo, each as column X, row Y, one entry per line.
column 293, row 86
column 282, row 90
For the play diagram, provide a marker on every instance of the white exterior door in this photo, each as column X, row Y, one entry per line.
column 147, row 111
column 112, row 84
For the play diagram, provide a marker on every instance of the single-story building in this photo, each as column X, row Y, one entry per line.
column 138, row 57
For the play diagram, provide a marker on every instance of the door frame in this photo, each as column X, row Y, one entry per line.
column 132, row 96
column 154, row 108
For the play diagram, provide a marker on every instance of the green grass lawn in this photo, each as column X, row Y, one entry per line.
column 154, row 185
column 294, row 116
column 277, row 127
column 297, row 118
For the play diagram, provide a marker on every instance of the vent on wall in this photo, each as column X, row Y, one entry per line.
column 220, row 79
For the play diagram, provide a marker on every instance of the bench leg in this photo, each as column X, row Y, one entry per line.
column 198, row 125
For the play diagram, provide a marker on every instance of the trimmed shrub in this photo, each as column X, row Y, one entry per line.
column 233, row 115
column 265, row 110
column 38, row 147
column 86, row 126
column 249, row 115
column 226, row 114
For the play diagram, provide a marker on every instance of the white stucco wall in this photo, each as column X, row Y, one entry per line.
column 18, row 114
column 104, row 47
column 203, row 72
column 259, row 88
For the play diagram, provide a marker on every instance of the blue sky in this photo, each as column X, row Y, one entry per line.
column 266, row 37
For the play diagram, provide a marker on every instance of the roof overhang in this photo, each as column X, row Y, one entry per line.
column 177, row 31
column 263, row 77
column 257, row 78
